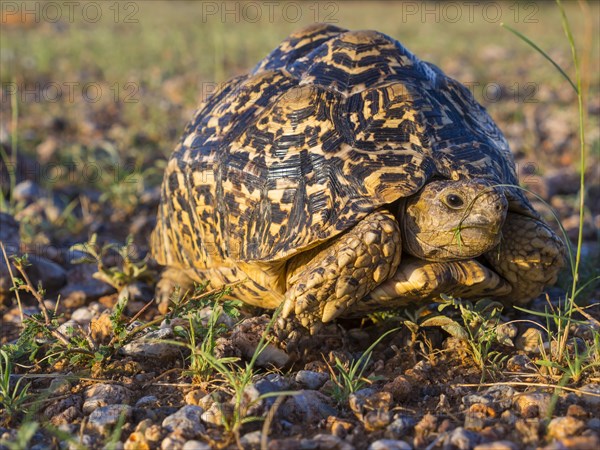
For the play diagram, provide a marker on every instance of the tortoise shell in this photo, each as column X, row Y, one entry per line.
column 327, row 128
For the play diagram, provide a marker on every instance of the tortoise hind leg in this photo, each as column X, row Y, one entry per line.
column 342, row 273
column 529, row 257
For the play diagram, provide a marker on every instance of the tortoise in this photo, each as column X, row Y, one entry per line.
column 344, row 175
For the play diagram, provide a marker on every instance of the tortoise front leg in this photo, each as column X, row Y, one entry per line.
column 417, row 280
column 529, row 257
column 342, row 273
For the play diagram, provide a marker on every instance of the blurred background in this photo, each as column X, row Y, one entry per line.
column 96, row 94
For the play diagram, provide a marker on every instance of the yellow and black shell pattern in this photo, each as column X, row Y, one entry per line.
column 330, row 126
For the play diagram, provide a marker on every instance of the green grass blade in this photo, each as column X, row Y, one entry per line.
column 541, row 52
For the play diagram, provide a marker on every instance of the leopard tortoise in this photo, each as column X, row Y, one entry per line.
column 344, row 175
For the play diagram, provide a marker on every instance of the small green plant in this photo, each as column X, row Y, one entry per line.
column 203, row 332
column 479, row 328
column 12, row 396
column 117, row 276
column 237, row 378
column 349, row 378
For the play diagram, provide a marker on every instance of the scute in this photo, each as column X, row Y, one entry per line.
column 326, row 129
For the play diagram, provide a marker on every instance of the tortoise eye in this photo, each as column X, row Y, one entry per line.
column 454, row 201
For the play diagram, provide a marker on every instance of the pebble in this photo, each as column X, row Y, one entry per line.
column 533, row 404
column 59, row 386
column 590, row 394
column 594, row 424
column 497, row 445
column 311, row 380
column 461, row 439
column 373, row 408
column 563, row 427
column 400, row 426
column 186, row 421
column 105, row 417
column 196, row 445
column 214, row 414
column 28, row 191
column 251, row 440
column 69, row 329
column 148, row 347
column 400, row 388
column 147, row 401
column 172, row 443
column 520, row 363
column 308, row 407
column 65, row 410
column 325, row 442
column 339, row 427
column 100, row 395
column 389, row 444
column 82, row 315
column 136, row 441
column 530, row 340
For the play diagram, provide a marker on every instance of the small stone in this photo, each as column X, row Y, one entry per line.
column 389, row 444
column 70, row 328
column 214, row 414
column 105, row 417
column 400, row 426
column 505, row 333
column 400, row 388
column 149, row 346
column 251, row 440
column 195, row 397
column 105, row 394
column 136, row 441
column 520, row 363
column 339, row 427
column 28, row 191
column 60, row 386
column 590, row 394
column 172, row 443
column 325, row 442
column 577, row 411
column 476, row 417
column 61, row 411
column 461, row 439
column 497, row 445
column 187, row 421
column 82, row 315
column 584, row 442
column 196, row 445
column 311, row 380
column 529, row 430
column 372, row 408
column 426, row 426
column 533, row 404
column 147, row 401
column 563, row 427
column 594, row 424
column 308, row 407
column 530, row 340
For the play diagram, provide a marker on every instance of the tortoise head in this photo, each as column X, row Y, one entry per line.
column 452, row 220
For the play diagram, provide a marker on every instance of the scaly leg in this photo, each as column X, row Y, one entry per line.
column 342, row 273
column 529, row 257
